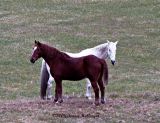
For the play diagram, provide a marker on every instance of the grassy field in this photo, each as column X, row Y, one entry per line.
column 73, row 25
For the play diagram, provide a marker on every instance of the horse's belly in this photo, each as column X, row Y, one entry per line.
column 74, row 76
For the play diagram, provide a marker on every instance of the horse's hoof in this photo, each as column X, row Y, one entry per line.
column 97, row 103
column 49, row 98
column 55, row 100
column 103, row 101
column 43, row 98
column 60, row 101
column 89, row 98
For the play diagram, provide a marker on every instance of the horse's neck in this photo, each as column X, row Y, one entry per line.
column 50, row 54
column 101, row 51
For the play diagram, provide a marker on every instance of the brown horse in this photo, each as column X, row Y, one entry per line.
column 64, row 67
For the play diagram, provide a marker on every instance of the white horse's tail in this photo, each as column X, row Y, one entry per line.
column 43, row 79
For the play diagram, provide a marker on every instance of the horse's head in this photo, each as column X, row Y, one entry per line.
column 36, row 53
column 112, row 47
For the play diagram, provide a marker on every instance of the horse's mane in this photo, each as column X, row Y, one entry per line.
column 52, row 52
column 100, row 46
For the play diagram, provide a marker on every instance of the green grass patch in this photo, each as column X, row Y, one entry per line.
column 73, row 26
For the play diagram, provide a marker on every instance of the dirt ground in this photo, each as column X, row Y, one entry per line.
column 116, row 110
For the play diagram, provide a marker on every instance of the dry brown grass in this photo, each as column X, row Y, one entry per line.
column 76, row 109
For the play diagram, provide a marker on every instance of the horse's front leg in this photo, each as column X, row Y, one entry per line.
column 58, row 91
column 60, row 100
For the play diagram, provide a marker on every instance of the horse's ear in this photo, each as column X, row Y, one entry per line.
column 37, row 43
column 116, row 42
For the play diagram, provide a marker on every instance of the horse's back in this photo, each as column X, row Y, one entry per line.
column 81, row 54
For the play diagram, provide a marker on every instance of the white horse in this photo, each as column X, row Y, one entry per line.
column 104, row 51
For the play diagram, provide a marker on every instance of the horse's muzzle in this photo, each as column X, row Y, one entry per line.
column 32, row 60
column 113, row 62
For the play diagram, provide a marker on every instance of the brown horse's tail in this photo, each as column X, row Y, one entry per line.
column 105, row 72
column 44, row 79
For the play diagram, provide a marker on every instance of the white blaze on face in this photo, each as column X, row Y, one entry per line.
column 34, row 49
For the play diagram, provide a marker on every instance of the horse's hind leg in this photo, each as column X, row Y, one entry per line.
column 88, row 89
column 96, row 91
column 102, row 88
column 49, row 87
